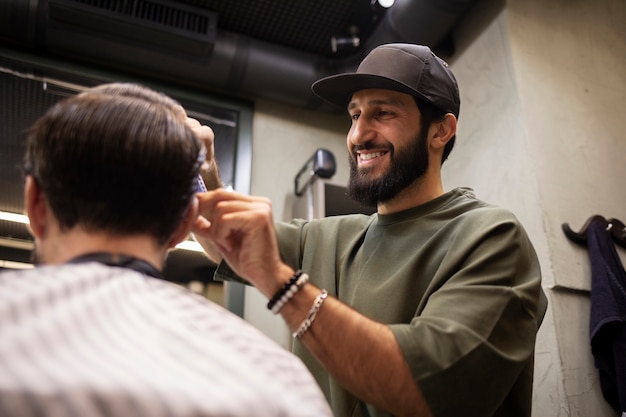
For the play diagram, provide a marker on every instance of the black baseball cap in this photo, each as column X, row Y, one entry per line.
column 407, row 68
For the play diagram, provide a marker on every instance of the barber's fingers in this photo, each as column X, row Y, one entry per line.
column 242, row 228
column 234, row 221
column 209, row 201
column 236, row 217
column 216, row 203
column 207, row 136
column 247, row 242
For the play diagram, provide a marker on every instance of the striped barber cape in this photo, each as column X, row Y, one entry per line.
column 94, row 340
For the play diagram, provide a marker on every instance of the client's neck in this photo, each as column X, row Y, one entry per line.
column 58, row 248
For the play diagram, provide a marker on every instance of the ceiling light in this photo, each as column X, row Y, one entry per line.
column 343, row 42
column 386, row 3
column 339, row 43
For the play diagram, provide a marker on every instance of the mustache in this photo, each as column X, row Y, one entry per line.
column 371, row 145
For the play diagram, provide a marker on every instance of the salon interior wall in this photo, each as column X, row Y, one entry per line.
column 284, row 138
column 543, row 89
column 541, row 132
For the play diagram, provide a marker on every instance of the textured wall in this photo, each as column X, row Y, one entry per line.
column 570, row 64
column 543, row 86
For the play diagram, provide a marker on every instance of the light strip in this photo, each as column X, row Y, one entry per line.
column 14, row 217
column 7, row 242
column 20, row 218
column 15, row 265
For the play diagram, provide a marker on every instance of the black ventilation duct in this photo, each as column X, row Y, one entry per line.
column 180, row 44
column 153, row 24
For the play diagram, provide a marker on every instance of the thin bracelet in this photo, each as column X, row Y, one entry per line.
column 293, row 289
column 284, row 289
column 317, row 304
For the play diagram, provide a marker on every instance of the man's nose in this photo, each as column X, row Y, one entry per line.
column 361, row 132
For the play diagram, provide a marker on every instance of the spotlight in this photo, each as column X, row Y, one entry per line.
column 343, row 42
column 385, row 4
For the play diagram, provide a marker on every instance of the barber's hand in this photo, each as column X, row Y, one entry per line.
column 209, row 169
column 205, row 133
column 241, row 227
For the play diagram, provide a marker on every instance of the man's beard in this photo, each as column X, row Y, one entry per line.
column 406, row 166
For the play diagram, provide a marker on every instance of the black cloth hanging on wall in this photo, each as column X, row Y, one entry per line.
column 608, row 315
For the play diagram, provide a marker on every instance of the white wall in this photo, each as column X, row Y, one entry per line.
column 543, row 86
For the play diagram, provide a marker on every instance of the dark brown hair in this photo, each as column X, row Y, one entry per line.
column 118, row 157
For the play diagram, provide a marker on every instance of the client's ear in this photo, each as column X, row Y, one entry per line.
column 184, row 228
column 37, row 207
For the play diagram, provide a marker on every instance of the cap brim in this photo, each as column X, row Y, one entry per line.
column 338, row 89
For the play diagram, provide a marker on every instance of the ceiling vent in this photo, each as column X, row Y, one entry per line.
column 156, row 24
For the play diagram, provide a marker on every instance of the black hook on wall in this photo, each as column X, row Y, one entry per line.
column 616, row 228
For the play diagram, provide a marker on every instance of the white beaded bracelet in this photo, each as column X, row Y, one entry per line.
column 291, row 291
column 317, row 304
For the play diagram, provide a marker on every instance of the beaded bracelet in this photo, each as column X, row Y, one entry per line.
column 287, row 291
column 293, row 289
column 317, row 304
column 283, row 289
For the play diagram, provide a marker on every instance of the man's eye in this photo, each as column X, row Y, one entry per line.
column 354, row 116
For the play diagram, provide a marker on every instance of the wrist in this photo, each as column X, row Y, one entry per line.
column 269, row 282
column 302, row 309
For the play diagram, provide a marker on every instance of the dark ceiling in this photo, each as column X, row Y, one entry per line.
column 306, row 26
column 272, row 49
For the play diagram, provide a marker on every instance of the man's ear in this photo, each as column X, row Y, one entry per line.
column 37, row 208
column 184, row 228
column 443, row 130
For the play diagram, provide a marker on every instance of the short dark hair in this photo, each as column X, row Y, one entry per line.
column 118, row 157
column 431, row 114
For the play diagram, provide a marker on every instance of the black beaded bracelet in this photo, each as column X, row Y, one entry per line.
column 284, row 289
column 295, row 287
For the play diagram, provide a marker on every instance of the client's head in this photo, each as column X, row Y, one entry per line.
column 118, row 158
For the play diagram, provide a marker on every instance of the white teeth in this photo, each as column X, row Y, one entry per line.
column 368, row 156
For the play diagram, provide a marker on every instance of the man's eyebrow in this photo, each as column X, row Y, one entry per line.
column 378, row 102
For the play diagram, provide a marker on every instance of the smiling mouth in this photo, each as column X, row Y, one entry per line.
column 369, row 156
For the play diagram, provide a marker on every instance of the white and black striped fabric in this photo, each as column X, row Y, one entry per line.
column 92, row 340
